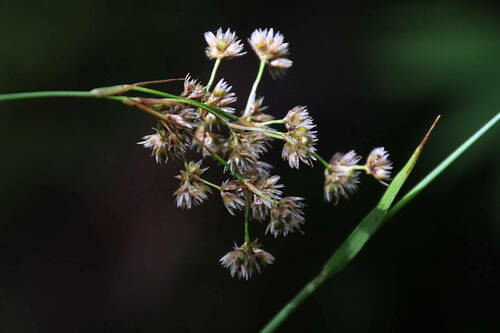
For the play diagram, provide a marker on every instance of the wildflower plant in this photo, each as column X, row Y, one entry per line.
column 205, row 121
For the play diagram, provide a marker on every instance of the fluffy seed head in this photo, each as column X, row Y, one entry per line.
column 223, row 44
column 379, row 165
column 341, row 179
column 286, row 216
column 244, row 261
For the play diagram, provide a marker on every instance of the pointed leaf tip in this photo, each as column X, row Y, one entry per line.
column 398, row 181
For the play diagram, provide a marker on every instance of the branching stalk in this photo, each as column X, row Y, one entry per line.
column 321, row 160
column 217, row 187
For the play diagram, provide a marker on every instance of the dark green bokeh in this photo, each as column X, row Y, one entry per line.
column 91, row 239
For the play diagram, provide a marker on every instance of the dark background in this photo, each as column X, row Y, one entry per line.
column 91, row 240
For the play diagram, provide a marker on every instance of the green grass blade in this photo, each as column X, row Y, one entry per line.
column 442, row 166
column 377, row 216
column 356, row 240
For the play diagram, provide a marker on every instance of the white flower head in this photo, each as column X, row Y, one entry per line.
column 298, row 117
column 269, row 46
column 378, row 164
column 223, row 44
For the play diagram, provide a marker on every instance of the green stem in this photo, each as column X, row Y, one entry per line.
column 441, row 167
column 208, row 183
column 274, row 134
column 360, row 168
column 271, row 122
column 292, row 306
column 45, row 94
column 238, row 176
column 251, row 97
column 321, row 160
column 212, row 75
column 130, row 101
column 215, row 111
column 48, row 94
column 247, row 216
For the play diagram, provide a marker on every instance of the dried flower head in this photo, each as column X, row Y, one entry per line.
column 158, row 144
column 191, row 191
column 244, row 150
column 245, row 260
column 341, row 179
column 232, row 195
column 299, row 147
column 223, row 44
column 269, row 187
column 378, row 164
column 192, row 88
column 287, row 215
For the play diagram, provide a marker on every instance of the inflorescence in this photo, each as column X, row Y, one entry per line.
column 205, row 120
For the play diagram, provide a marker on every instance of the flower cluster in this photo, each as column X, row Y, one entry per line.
column 206, row 120
column 342, row 175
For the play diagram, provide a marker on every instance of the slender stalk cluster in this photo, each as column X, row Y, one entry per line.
column 206, row 121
